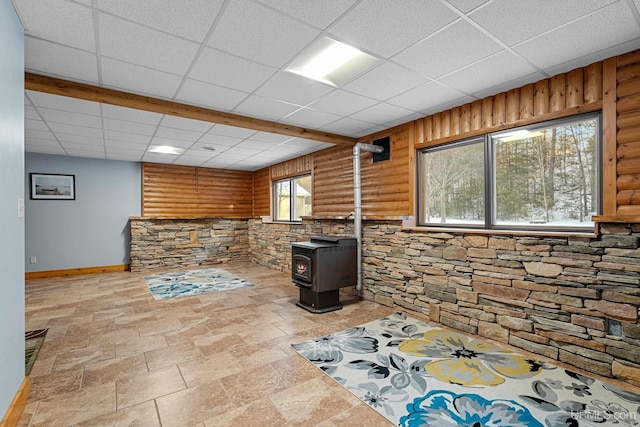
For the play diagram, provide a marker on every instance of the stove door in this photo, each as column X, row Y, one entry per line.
column 301, row 270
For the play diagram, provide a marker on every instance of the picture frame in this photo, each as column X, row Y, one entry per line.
column 49, row 186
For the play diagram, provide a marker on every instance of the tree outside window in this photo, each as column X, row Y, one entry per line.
column 292, row 198
column 542, row 176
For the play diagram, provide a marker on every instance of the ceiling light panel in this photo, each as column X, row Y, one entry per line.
column 332, row 62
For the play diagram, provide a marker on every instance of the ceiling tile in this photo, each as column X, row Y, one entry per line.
column 29, row 111
column 234, row 131
column 289, row 87
column 131, row 114
column 257, row 145
column 211, row 138
column 83, row 147
column 172, row 133
column 35, row 125
column 75, row 130
column 64, row 103
column 187, row 161
column 609, row 26
column 256, row 32
column 129, row 157
column 496, row 71
column 231, row 71
column 210, row 96
column 426, row 96
column 382, row 113
column 271, row 137
column 128, row 127
column 511, row 21
column 342, row 102
column 59, row 21
column 45, row 149
column 59, row 116
column 348, row 126
column 243, row 151
column 465, row 6
column 192, row 22
column 319, row 14
column 432, row 56
column 38, row 134
column 126, row 41
column 158, row 158
column 129, row 138
column 136, row 79
column 264, row 108
column 66, row 138
column 309, row 118
column 48, row 58
column 186, row 124
column 385, row 81
column 373, row 25
column 218, row 163
column 124, row 145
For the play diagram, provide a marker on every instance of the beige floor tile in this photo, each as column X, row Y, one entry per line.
column 142, row 415
column 260, row 413
column 142, row 387
column 194, row 405
column 113, row 370
column 72, row 408
column 306, row 404
column 220, row 359
column 169, row 356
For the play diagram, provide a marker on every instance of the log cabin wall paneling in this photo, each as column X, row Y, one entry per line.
column 385, row 185
column 628, row 134
column 261, row 193
column 566, row 94
column 185, row 191
column 294, row 167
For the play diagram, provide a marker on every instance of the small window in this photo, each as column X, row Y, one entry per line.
column 545, row 176
column 292, row 198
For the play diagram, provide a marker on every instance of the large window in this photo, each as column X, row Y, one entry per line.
column 292, row 198
column 537, row 177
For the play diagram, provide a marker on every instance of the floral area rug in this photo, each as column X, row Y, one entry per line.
column 418, row 375
column 32, row 342
column 193, row 282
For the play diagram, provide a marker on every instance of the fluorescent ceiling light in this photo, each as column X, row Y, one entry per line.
column 331, row 62
column 166, row 149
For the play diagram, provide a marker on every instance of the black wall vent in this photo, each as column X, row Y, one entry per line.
column 386, row 154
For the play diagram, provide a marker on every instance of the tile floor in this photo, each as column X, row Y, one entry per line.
column 116, row 357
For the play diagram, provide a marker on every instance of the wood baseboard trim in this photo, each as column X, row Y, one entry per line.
column 77, row 271
column 18, row 404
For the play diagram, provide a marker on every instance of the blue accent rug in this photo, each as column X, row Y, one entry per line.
column 193, row 282
column 415, row 374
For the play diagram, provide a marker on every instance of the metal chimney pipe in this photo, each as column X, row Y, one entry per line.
column 357, row 200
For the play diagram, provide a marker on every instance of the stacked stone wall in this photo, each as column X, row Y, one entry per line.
column 549, row 295
column 178, row 243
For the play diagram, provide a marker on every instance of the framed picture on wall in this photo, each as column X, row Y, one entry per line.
column 47, row 186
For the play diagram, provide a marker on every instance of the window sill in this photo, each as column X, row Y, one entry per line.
column 269, row 220
column 424, row 229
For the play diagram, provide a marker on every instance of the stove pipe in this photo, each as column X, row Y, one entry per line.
column 357, row 201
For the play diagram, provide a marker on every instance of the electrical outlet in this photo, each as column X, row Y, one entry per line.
column 33, row 260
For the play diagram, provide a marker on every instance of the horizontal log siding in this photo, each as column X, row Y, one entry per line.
column 562, row 95
column 185, row 191
column 628, row 133
column 261, row 193
column 294, row 167
column 385, row 185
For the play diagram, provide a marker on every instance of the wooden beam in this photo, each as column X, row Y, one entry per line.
column 124, row 99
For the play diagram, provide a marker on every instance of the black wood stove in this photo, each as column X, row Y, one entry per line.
column 320, row 267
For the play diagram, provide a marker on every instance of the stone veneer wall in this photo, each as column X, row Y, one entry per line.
column 176, row 243
column 548, row 295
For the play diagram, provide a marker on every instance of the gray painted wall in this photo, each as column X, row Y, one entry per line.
column 11, row 188
column 93, row 229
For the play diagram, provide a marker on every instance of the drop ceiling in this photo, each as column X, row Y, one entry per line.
column 231, row 55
